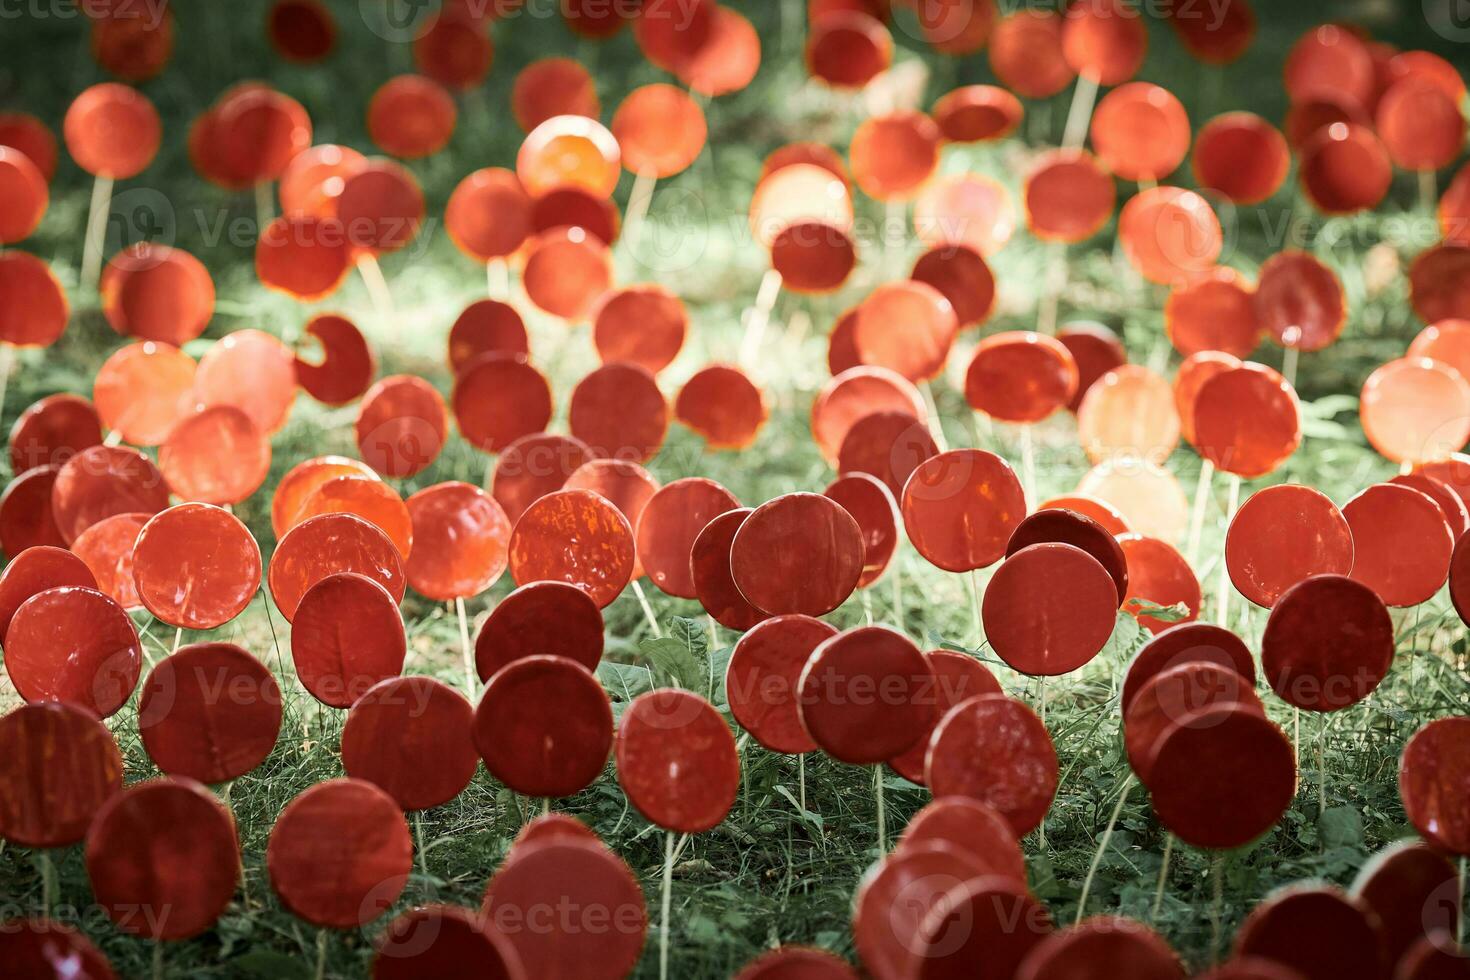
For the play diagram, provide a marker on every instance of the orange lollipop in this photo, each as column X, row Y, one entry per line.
column 886, row 445
column 1026, row 54
column 154, row 292
column 643, row 325
column 112, row 131
column 1130, row 412
column 1345, row 169
column 569, row 151
column 301, row 30
column 625, row 485
column 723, row 405
column 567, row 271
column 1437, row 283
column 668, row 526
column 1241, row 156
column 1158, row 575
column 1421, row 124
column 486, row 326
column 23, row 188
column 1401, row 543
column 33, row 306
column 1247, row 420
column 347, row 635
column 26, row 133
column 799, row 194
column 301, row 480
column 1283, row 535
column 215, row 456
column 1300, row 301
column 327, row 544
column 305, row 256
column 847, row 49
column 1104, row 40
column 907, row 327
column 381, row 207
column 313, row 180
column 619, row 412
column 411, row 116
column 553, row 87
column 893, row 156
column 792, row 154
column 1170, row 235
column 968, row 209
column 1068, row 197
column 53, row 430
column 347, row 365
column 977, row 113
column 461, row 536
column 1146, row 496
column 729, row 58
column 489, row 214
column 956, row 27
column 101, row 481
column 1455, row 512
column 75, row 645
column 1214, row 312
column 401, row 425
column 107, row 549
column 1415, row 410
column 1447, row 341
column 1331, row 62
column 1140, row 132
column 196, row 566
column 799, row 553
column 498, row 398
column 574, row 536
column 1020, row 377
column 1194, row 371
column 252, row 371
column 660, row 129
column 371, row 499
column 455, row 50
column 533, row 466
column 960, row 507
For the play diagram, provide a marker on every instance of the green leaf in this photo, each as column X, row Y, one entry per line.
column 674, row 665
column 1341, row 826
column 623, row 682
column 807, row 816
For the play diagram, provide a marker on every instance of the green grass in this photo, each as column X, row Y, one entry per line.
column 770, row 873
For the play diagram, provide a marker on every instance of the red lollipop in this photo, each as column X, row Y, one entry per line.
column 1436, row 283
column 1327, row 644
column 142, row 391
column 892, row 156
column 961, row 275
column 168, row 845
column 1173, row 695
column 216, row 456
column 986, row 923
column 33, row 307
column 574, row 536
column 670, row 34
column 1330, row 61
column 1455, row 513
column 444, row 941
column 254, row 372
column 36, row 570
column 619, row 412
column 34, row 948
column 1059, row 525
column 24, row 132
column 112, row 131
column 371, row 499
column 1093, row 508
column 1186, row 644
column 462, row 536
column 544, row 726
column 1102, row 947
column 796, row 963
column 196, row 566
column 107, row 549
column 340, row 854
column 1049, row 609
column 301, row 30
column 26, row 517
column 668, row 526
column 256, row 131
column 957, row 678
column 401, row 425
column 1317, row 930
column 1415, row 892
column 977, row 113
column 960, row 507
column 854, row 394
column 1170, row 235
column 58, row 766
column 542, row 618
column 1241, row 156
column 533, row 466
column 729, row 58
column 498, row 398
column 1020, row 377
column 1026, row 54
column 569, row 151
column 1068, row 197
column 411, row 116
column 1283, row 535
column 305, row 256
column 412, row 737
column 872, row 505
column 1247, row 420
column 836, row 702
column 553, row 87
column 642, row 325
column 970, row 826
column 677, row 761
column 567, row 271
column 76, row 645
column 1421, row 124
column 762, row 680
column 1401, row 543
column 1345, row 169
column 209, row 712
column 1158, row 575
column 1140, row 132
column 347, row 635
column 381, row 207
column 723, row 405
column 660, row 130
column 996, row 750
column 154, row 292
column 486, row 326
column 1215, row 312
column 799, row 553
column 23, row 188
column 1096, row 351
column 489, row 214
column 1300, row 301
column 1104, row 40
column 847, row 49
column 322, row 545
column 709, row 559
column 1218, row 39
column 1415, row 410
column 1433, row 775
column 455, row 50
column 347, row 366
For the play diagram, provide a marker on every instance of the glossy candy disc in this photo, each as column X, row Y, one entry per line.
column 996, row 750
column 196, row 566
column 574, row 536
column 76, row 645
column 1317, row 930
column 800, row 553
column 677, row 760
column 551, row 618
column 1328, row 643
column 961, row 507
column 669, row 525
column 1433, row 776
column 957, row 678
column 839, row 703
column 347, row 636
column 709, row 559
column 1049, row 609
column 444, row 941
column 58, row 765
column 1282, row 535
column 412, row 738
column 331, row 543
column 763, row 678
column 544, row 726
column 461, row 535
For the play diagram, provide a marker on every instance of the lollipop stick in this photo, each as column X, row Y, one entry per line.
column 647, row 609
column 1052, row 286
column 469, row 652
column 1217, row 872
column 1102, row 847
column 377, row 286
column 321, row 954
column 895, row 226
column 1028, row 466
column 639, row 200
column 1222, row 594
column 157, row 960
column 1079, row 116
column 760, row 318
column 497, row 279
column 1428, row 191
column 1197, row 518
column 1163, row 877
column 96, row 230
column 1464, row 910
column 1321, row 768
column 801, row 780
column 48, row 881
column 936, row 427
column 882, row 821
column 668, row 901
column 264, row 207
column 1288, row 365
column 974, row 578
column 898, row 614
column 418, row 841
column 7, row 361
column 545, row 805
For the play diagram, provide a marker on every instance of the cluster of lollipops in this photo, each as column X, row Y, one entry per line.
column 95, row 527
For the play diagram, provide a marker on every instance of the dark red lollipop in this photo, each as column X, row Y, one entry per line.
column 983, row 927
column 35, row 949
column 670, row 522
column 813, row 257
column 677, row 760
column 498, row 398
column 551, row 87
column 1433, row 776
column 544, row 726
column 401, row 425
column 73, row 644
column 1455, row 513
column 381, row 207
column 799, row 553
column 1095, row 349
column 854, row 394
column 1169, row 697
column 168, row 845
column 1328, row 643
column 848, row 48
column 411, row 116
column 444, row 941
column 1316, row 930
column 1401, row 543
column 26, row 517
column 553, row 826
column 550, row 618
column 709, row 559
column 196, row 566
column 872, row 505
column 101, row 481
column 1345, row 169
column 321, row 546
column 574, row 536
column 723, row 405
column 1049, row 609
column 1415, row 892
column 52, row 431
column 1435, row 957
column 1300, row 301
column 533, row 466
column 962, row 276
column 301, row 30
column 347, row 635
column 340, row 854
column 412, row 737
column 455, row 48
column 36, row 570
column 1185, row 644
column 839, row 697
column 1436, row 283
column 1330, row 60
column 36, row 310
column 1020, row 377
column 1241, row 156
column 1070, row 527
column 486, row 326
column 462, row 537
column 1100, row 948
column 619, row 412
column 961, row 507
column 568, row 874
column 347, row 365
column 210, row 712
column 1459, row 578
column 893, row 898
column 1252, row 968
column 888, row 445
column 153, row 292
column 58, row 765
column 996, row 750
column 1282, row 535
column 643, row 325
column 796, row 963
column 957, row 678
column 761, row 682
column 970, row 826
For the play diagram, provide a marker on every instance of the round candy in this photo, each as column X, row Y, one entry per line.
column 444, row 941
column 1436, row 280
column 1170, row 235
column 371, row 499
column 574, row 536
column 1049, row 609
column 957, row 678
column 340, row 854
column 893, row 155
column 101, row 481
column 569, row 151
column 73, row 644
column 488, row 215
column 1172, row 695
column 723, row 405
column 1185, row 644
column 1434, row 956
column 866, row 695
column 1215, row 312
column 411, row 116
column 26, row 516
column 486, row 326
column 761, row 681
column 967, row 209
column 1100, row 947
column 1072, row 528
column 533, row 466
column 567, row 271
column 215, row 456
column 799, row 553
column 893, row 898
column 813, row 257
column 660, row 130
column 1068, row 196
column 301, row 30
column 35, row 306
column 210, row 712
column 143, row 390
column 1433, row 775
column 58, row 766
column 846, row 49
column 1129, row 412
column 907, row 327
column 1241, row 156
column 960, row 273
column 1282, row 535
column 413, row 738
column 498, row 398
column 970, row 826
column 168, row 845
column 1414, row 890
column 983, row 924
column 1330, row 61
column 1401, row 543
column 995, row 750
column 1300, row 301
column 347, row 366
column 551, row 87
column 854, row 394
column 51, row 431
column 1158, row 575
column 677, row 760
column 107, row 549
column 1420, row 124
column 1099, row 511
column 1020, row 377
column 550, row 618
column 153, row 292
column 321, row 546
column 977, row 113
column 26, row 196
column 1140, row 132
column 709, row 559
column 643, row 325
column 1217, row 40
column 36, row 570
column 1194, row 371
column 1096, row 351
column 1327, row 644
column 401, row 425
column 252, row 371
column 668, row 526
column 1447, row 342
column 196, row 566
column 1026, row 53
column 112, row 131
column 1104, row 40
column 544, row 726
column 960, row 508
column 256, row 131
column 1415, row 410
column 872, row 505
column 1345, row 169
column 313, row 181
column 1455, row 513
column 455, row 50
column 619, row 412
column 381, row 207
column 1316, row 930
column 462, row 535
column 347, row 635
column 1247, row 420
column 1146, row 497
column 29, row 135
column 34, row 948
column 796, row 963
